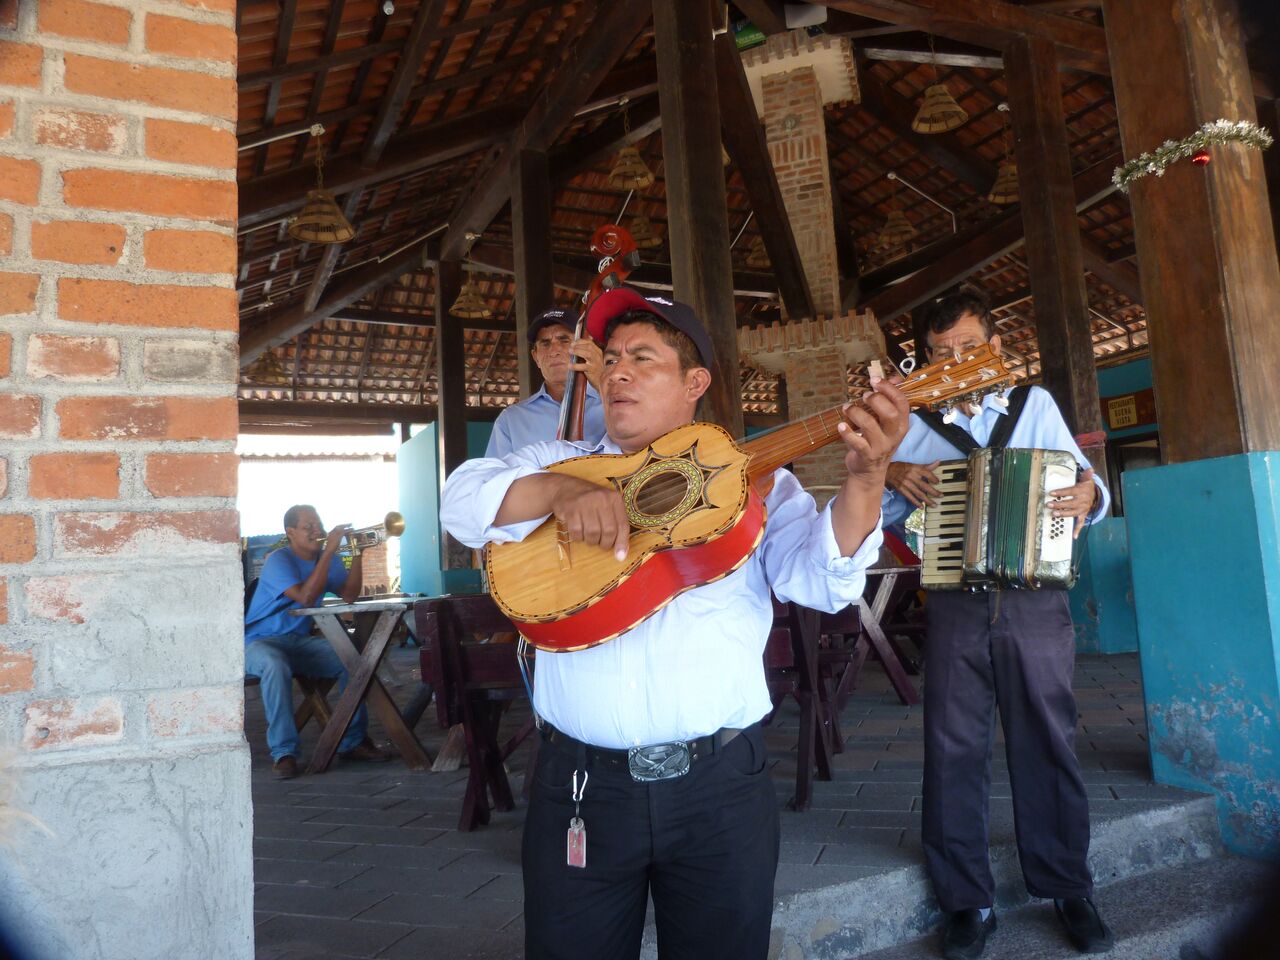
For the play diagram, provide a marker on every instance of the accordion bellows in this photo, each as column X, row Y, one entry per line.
column 993, row 527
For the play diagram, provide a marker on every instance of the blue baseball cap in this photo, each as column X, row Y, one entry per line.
column 548, row 317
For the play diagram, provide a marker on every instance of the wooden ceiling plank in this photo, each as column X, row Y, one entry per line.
column 284, row 34
column 328, row 60
column 768, row 15
column 397, row 93
column 331, row 30
column 613, row 30
column 283, row 326
column 989, row 23
column 745, row 140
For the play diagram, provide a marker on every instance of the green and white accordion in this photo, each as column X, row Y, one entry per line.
column 993, row 526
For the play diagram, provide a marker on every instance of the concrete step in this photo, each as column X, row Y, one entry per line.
column 896, row 905
column 1187, row 912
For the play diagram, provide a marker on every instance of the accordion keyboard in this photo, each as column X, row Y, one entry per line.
column 942, row 563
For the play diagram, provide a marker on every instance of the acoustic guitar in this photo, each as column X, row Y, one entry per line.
column 695, row 501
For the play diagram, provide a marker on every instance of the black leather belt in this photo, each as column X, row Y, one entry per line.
column 655, row 761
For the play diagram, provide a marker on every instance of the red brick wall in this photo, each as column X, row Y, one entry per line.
column 117, row 370
column 797, row 136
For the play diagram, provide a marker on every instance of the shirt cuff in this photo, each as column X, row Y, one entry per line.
column 488, row 501
column 828, row 556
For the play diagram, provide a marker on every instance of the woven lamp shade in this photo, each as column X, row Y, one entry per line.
column 1005, row 189
column 321, row 220
column 630, row 171
column 470, row 305
column 642, row 233
column 757, row 256
column 897, row 231
column 938, row 112
column 267, row 370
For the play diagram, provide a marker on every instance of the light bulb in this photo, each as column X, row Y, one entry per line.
column 388, row 7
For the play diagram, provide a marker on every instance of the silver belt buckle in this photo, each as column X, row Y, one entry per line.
column 659, row 761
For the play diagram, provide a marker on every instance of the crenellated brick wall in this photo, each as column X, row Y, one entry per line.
column 121, row 650
column 795, row 129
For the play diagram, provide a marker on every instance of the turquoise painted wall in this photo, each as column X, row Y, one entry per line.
column 1102, row 599
column 1205, row 552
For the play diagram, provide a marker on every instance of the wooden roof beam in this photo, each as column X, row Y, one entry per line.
column 612, row 31
column 744, row 139
column 991, row 24
column 283, row 325
column 768, row 15
column 993, row 242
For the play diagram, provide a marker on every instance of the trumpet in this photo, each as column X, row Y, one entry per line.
column 362, row 539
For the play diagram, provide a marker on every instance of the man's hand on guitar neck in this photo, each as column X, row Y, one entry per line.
column 589, row 513
column 871, row 433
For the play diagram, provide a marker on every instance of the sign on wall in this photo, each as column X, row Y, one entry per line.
column 1130, row 410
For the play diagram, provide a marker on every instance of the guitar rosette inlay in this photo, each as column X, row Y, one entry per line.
column 661, row 492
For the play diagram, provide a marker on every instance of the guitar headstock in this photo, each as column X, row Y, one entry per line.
column 965, row 378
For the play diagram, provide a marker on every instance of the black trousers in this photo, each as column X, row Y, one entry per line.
column 1015, row 649
column 705, row 846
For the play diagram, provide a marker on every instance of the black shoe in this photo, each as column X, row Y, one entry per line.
column 964, row 936
column 1087, row 930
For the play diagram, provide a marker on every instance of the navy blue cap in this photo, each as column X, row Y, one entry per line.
column 614, row 303
column 546, row 318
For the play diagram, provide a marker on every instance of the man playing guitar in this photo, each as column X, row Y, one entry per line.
column 651, row 742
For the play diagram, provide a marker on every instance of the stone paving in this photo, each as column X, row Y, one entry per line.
column 366, row 861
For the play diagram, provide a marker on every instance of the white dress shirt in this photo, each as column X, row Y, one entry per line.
column 1039, row 427
column 536, row 418
column 696, row 665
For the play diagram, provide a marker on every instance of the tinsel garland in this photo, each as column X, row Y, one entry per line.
column 1213, row 132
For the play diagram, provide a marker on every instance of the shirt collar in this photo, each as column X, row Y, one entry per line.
column 542, row 392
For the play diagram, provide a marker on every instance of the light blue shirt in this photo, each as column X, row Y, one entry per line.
column 535, row 419
column 696, row 665
column 268, row 614
column 1040, row 427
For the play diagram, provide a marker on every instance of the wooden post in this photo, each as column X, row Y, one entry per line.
column 531, row 236
column 451, row 395
column 697, row 225
column 1206, row 247
column 1052, row 232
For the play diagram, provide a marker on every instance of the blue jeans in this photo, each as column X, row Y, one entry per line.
column 274, row 661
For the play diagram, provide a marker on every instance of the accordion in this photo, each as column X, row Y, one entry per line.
column 992, row 527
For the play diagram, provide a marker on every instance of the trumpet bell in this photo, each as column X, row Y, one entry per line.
column 393, row 524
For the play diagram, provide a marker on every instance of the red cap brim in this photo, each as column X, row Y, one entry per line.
column 614, row 303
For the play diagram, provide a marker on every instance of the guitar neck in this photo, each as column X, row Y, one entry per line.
column 781, row 445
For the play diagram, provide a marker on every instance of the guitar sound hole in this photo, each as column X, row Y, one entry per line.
column 662, row 493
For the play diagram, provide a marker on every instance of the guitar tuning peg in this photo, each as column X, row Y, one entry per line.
column 1002, row 401
column 950, row 415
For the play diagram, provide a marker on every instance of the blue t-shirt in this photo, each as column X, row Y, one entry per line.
column 268, row 614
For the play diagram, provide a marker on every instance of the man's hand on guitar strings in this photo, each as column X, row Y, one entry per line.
column 592, row 514
column 872, row 430
column 587, row 357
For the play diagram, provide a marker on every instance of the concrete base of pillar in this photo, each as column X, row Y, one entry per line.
column 1102, row 599
column 1205, row 544
column 147, row 856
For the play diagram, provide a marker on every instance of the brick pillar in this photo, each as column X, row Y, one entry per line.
column 797, row 135
column 121, row 646
column 814, row 356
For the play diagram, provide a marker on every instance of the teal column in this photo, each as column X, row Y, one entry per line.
column 1204, row 539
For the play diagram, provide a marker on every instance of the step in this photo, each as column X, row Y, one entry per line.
column 1178, row 913
column 896, row 905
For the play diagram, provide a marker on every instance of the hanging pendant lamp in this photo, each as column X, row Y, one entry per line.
column 267, row 370
column 629, row 172
column 757, row 256
column 470, row 305
column 1005, row 189
column 321, row 219
column 897, row 231
column 939, row 111
column 642, row 233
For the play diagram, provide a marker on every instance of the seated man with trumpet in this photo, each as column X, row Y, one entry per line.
column 652, row 743
column 279, row 645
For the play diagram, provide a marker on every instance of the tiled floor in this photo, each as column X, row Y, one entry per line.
column 366, row 861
